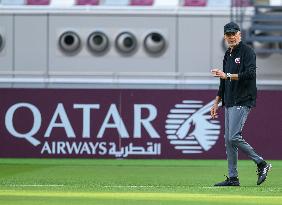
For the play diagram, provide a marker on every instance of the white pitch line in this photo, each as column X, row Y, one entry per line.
column 36, row 185
column 141, row 186
column 132, row 186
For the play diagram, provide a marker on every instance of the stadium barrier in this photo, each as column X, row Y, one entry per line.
column 128, row 123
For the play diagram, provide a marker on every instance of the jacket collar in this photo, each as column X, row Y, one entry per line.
column 236, row 48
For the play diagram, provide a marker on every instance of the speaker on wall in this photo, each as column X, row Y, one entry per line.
column 98, row 43
column 70, row 43
column 126, row 43
column 155, row 43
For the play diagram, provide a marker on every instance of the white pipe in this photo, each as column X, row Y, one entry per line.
column 125, row 81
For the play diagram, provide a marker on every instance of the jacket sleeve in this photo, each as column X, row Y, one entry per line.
column 221, row 83
column 249, row 66
column 220, row 90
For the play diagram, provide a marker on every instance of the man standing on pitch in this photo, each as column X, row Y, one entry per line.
column 237, row 91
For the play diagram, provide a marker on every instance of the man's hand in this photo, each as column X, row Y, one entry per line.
column 218, row 73
column 214, row 111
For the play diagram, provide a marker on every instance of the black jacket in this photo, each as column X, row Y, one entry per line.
column 243, row 63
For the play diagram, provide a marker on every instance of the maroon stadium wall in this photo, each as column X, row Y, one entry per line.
column 144, row 124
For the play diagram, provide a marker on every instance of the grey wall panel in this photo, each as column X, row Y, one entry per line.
column 194, row 44
column 31, row 44
column 217, row 35
column 112, row 61
column 6, row 53
column 13, row 2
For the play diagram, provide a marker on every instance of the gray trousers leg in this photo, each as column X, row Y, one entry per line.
column 235, row 118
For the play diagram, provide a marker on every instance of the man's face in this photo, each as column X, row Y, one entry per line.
column 232, row 39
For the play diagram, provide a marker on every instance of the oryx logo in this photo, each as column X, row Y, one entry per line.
column 190, row 128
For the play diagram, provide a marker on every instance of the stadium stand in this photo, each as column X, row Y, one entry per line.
column 38, row 2
column 116, row 3
column 157, row 44
column 88, row 2
column 142, row 2
column 188, row 3
column 266, row 28
column 195, row 3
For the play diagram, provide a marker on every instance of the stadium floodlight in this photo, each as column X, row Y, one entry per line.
column 126, row 43
column 155, row 43
column 69, row 42
column 98, row 42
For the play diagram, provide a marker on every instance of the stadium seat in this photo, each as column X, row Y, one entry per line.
column 87, row 2
column 195, row 3
column 116, row 2
column 141, row 2
column 38, row 2
column 13, row 2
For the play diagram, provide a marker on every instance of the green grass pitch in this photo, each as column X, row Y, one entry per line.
column 132, row 182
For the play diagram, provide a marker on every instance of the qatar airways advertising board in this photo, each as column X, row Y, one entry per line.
column 125, row 123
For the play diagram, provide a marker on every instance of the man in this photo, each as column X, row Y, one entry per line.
column 237, row 91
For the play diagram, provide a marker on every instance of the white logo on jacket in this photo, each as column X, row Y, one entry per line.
column 237, row 60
